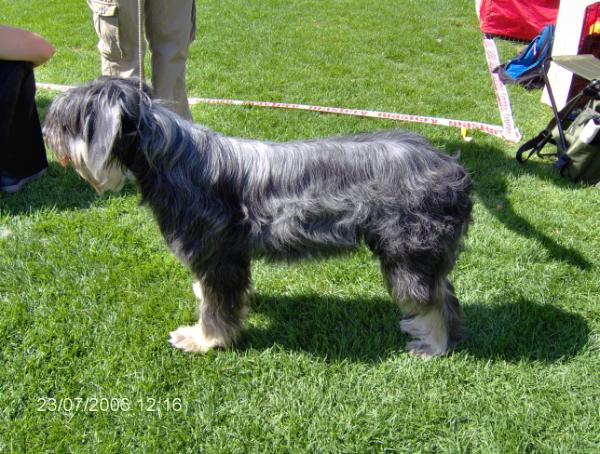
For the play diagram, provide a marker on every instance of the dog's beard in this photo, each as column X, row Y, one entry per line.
column 103, row 177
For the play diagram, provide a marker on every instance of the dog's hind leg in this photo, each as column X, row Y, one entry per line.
column 454, row 316
column 432, row 315
column 222, row 309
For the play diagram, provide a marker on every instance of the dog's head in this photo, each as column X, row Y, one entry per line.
column 94, row 125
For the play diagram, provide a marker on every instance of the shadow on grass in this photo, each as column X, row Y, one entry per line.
column 523, row 330
column 490, row 168
column 59, row 189
column 367, row 330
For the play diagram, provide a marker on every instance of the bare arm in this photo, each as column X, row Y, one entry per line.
column 17, row 44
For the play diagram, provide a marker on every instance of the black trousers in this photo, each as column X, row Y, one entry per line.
column 22, row 151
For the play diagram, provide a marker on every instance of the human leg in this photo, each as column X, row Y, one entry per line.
column 170, row 28
column 116, row 24
column 22, row 151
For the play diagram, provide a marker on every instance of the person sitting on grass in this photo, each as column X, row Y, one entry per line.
column 22, row 151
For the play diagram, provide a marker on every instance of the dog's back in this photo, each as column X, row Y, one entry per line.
column 321, row 197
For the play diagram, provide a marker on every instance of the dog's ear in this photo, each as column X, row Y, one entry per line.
column 115, row 120
column 101, row 132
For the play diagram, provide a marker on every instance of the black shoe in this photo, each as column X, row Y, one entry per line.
column 11, row 184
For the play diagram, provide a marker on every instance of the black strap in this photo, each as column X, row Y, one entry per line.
column 535, row 145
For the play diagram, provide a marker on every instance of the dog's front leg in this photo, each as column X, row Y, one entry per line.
column 222, row 308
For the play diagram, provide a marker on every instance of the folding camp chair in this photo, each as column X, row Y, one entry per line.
column 586, row 66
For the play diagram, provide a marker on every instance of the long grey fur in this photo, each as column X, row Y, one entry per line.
column 220, row 200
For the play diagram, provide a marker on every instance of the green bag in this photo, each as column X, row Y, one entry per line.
column 581, row 161
column 578, row 147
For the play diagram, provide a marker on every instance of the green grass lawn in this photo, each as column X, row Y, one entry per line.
column 89, row 292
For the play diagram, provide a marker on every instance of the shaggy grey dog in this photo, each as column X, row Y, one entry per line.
column 221, row 200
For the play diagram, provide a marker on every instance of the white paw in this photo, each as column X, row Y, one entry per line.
column 429, row 333
column 424, row 350
column 192, row 339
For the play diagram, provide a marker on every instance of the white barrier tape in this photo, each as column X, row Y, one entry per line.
column 511, row 133
column 489, row 129
column 494, row 130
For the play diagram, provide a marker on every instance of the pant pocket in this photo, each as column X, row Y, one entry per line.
column 106, row 23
